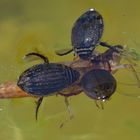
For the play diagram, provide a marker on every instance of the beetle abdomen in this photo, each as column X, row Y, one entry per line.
column 43, row 79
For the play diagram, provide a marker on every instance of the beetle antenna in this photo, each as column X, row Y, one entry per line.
column 39, row 55
column 38, row 105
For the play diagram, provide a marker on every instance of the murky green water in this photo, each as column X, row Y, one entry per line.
column 45, row 26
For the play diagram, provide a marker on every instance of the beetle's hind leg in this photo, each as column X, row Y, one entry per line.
column 38, row 55
column 37, row 107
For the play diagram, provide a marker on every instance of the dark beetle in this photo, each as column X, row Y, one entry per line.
column 98, row 84
column 46, row 79
column 86, row 34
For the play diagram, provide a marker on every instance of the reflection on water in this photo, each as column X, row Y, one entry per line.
column 45, row 26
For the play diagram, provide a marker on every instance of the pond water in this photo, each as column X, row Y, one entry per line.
column 45, row 26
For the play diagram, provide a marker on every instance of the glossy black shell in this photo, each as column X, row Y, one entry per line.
column 43, row 79
column 86, row 33
column 98, row 84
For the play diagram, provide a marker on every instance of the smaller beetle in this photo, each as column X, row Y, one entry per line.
column 86, row 34
column 46, row 79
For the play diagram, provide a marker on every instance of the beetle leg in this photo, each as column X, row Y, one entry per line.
column 101, row 106
column 67, row 103
column 69, row 111
column 39, row 55
column 114, row 68
column 38, row 105
column 129, row 66
column 104, row 44
column 96, row 103
column 135, row 74
column 112, row 47
column 63, row 52
column 69, row 108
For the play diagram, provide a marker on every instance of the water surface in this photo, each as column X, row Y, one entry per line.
column 45, row 26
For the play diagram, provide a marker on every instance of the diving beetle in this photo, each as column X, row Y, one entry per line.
column 86, row 34
column 46, row 79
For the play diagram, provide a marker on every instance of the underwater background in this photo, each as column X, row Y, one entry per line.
column 45, row 26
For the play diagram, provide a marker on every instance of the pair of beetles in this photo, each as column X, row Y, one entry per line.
column 90, row 73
